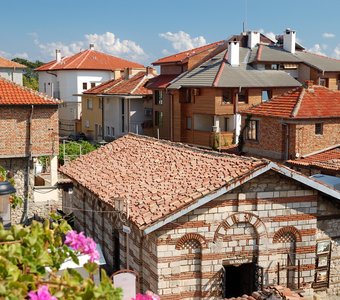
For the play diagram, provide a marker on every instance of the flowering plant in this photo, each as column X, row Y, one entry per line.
column 148, row 296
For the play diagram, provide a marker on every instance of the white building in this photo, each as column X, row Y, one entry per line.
column 11, row 70
column 67, row 77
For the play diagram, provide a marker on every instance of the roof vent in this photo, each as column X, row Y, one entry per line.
column 91, row 46
column 289, row 40
column 234, row 53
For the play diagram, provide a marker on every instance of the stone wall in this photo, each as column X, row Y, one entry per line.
column 261, row 221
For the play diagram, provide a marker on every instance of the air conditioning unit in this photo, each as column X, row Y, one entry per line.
column 196, row 92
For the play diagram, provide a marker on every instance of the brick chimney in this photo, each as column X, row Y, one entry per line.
column 58, row 55
column 289, row 39
column 91, row 46
column 234, row 53
column 127, row 73
column 253, row 39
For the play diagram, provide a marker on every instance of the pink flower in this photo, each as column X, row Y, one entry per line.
column 41, row 294
column 79, row 242
column 148, row 296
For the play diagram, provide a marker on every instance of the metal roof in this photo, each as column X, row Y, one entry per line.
column 266, row 53
column 331, row 181
column 323, row 63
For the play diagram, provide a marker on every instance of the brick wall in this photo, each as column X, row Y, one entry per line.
column 14, row 133
column 302, row 137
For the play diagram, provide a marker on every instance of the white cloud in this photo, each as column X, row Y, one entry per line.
column 182, row 41
column 336, row 52
column 107, row 42
column 318, row 49
column 269, row 34
column 11, row 56
column 328, row 35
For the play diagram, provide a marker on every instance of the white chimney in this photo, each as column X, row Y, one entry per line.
column 253, row 39
column 289, row 39
column 234, row 53
column 91, row 46
column 57, row 55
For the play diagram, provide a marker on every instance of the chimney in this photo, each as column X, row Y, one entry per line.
column 150, row 71
column 127, row 73
column 289, row 38
column 253, row 39
column 234, row 53
column 309, row 84
column 91, row 46
column 57, row 55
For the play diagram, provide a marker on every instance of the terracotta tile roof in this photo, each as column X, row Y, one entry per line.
column 90, row 60
column 157, row 177
column 182, row 56
column 133, row 86
column 5, row 63
column 301, row 103
column 14, row 94
column 160, row 81
column 327, row 160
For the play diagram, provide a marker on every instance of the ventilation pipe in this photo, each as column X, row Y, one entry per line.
column 289, row 39
column 234, row 53
column 91, row 46
column 58, row 55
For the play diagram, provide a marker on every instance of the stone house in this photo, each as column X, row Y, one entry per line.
column 68, row 77
column 28, row 131
column 201, row 222
column 117, row 107
column 297, row 123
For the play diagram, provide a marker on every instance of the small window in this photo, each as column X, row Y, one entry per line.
column 185, row 95
column 226, row 124
column 189, row 123
column 87, row 123
column 108, row 130
column 89, row 104
column 93, row 84
column 227, row 97
column 252, row 130
column 159, row 118
column 100, row 105
column 323, row 82
column 84, row 85
column 266, row 95
column 45, row 89
column 158, row 97
column 319, row 128
column 147, row 112
column 243, row 96
column 112, row 131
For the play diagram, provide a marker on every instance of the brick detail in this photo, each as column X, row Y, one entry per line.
column 233, row 219
column 188, row 240
column 287, row 234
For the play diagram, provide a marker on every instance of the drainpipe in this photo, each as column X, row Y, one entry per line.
column 287, row 141
column 103, row 127
column 171, row 99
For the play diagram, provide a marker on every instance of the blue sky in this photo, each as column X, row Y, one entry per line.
column 146, row 30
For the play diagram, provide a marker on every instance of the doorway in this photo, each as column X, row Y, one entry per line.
column 239, row 280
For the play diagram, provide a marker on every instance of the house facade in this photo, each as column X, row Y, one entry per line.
column 11, row 70
column 201, row 222
column 28, row 132
column 117, row 107
column 303, row 121
column 67, row 77
column 204, row 102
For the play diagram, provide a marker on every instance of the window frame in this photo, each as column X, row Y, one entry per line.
column 84, row 86
column 159, row 97
column 89, row 104
column 318, row 129
column 159, row 119
column 250, row 135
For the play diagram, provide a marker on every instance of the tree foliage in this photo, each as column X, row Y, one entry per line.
column 30, row 258
column 30, row 78
column 74, row 150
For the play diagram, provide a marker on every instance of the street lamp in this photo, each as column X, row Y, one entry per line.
column 6, row 189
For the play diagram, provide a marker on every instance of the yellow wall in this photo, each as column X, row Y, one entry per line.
column 90, row 116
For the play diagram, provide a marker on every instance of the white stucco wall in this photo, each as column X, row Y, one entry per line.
column 14, row 75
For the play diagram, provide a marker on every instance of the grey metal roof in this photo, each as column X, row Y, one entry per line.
column 272, row 54
column 242, row 76
column 322, row 63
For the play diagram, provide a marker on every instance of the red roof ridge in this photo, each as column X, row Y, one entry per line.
column 298, row 103
column 259, row 52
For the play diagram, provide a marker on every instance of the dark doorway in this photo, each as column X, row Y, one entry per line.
column 240, row 280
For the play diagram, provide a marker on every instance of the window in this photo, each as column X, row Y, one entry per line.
column 122, row 108
column 323, row 82
column 84, row 85
column 89, row 104
column 112, row 131
column 108, row 130
column 185, row 95
column 158, row 97
column 319, row 128
column 45, row 89
column 189, row 124
column 227, row 97
column 226, row 126
column 159, row 118
column 266, row 95
column 243, row 96
column 147, row 112
column 252, row 130
column 100, row 105
column 87, row 123
column 93, row 84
